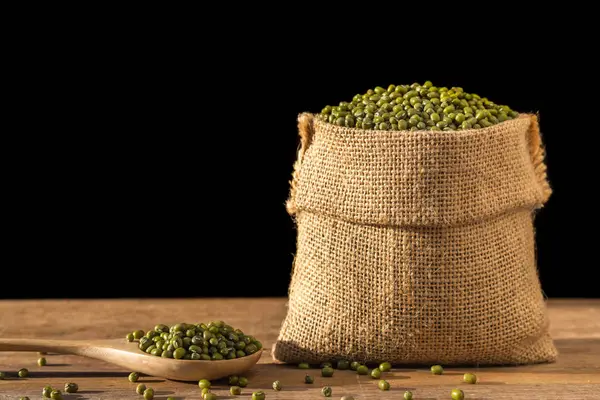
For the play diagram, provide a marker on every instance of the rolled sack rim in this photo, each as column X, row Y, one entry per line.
column 532, row 192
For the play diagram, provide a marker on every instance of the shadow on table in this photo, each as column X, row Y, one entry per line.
column 575, row 356
column 94, row 374
column 83, row 395
column 250, row 391
column 163, row 392
column 90, row 374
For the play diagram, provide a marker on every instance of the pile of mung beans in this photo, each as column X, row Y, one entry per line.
column 213, row 341
column 417, row 107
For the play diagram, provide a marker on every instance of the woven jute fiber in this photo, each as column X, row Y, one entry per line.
column 417, row 247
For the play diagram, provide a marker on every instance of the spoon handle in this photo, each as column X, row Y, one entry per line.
column 47, row 345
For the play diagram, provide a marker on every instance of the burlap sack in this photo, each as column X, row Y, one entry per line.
column 417, row 247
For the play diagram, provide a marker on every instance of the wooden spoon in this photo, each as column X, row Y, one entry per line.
column 130, row 357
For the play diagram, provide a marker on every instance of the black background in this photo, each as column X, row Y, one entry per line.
column 149, row 168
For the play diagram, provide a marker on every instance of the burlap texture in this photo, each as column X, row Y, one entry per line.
column 417, row 247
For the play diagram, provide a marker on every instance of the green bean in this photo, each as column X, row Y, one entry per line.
column 394, row 108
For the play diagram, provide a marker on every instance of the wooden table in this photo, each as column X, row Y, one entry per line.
column 575, row 325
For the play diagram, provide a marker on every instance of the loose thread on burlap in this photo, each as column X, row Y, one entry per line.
column 536, row 149
column 305, row 131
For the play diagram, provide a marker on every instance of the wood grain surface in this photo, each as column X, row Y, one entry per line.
column 575, row 326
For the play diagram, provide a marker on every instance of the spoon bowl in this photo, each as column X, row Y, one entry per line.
column 129, row 356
